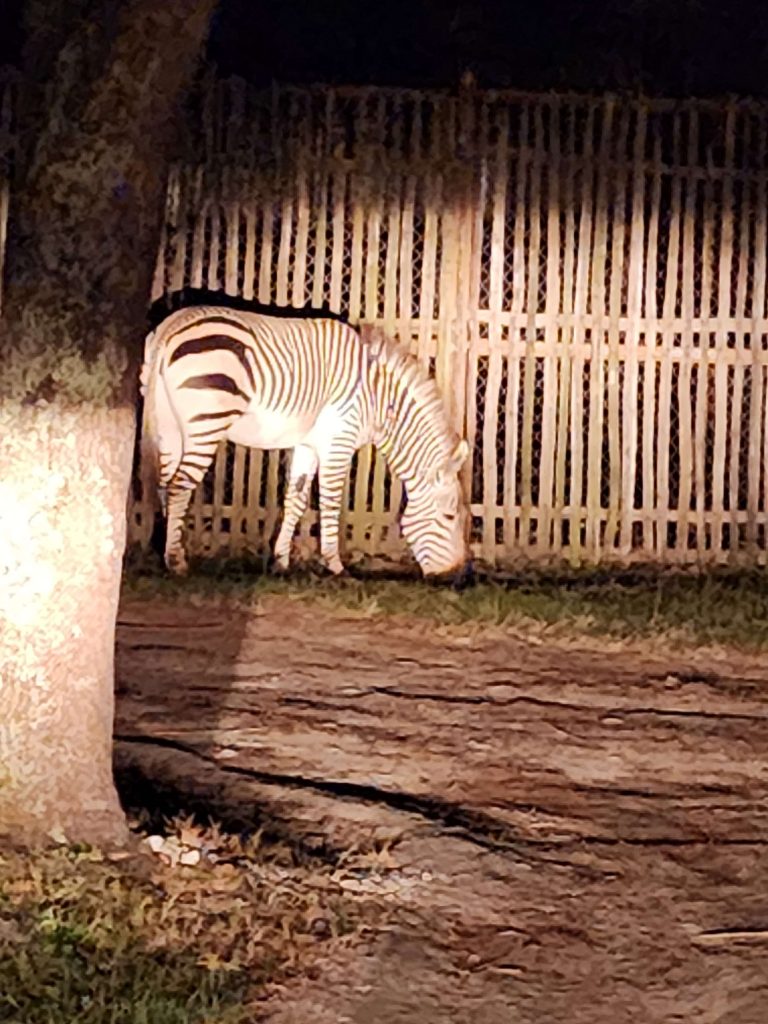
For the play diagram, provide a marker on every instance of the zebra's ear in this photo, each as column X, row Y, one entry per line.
column 375, row 341
column 452, row 464
column 458, row 456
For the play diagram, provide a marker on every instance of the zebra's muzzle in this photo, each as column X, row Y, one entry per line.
column 464, row 577
column 458, row 579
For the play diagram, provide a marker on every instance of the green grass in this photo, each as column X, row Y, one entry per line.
column 724, row 607
column 89, row 940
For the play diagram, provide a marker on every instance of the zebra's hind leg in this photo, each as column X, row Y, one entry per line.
column 333, row 473
column 302, row 473
column 179, row 495
column 191, row 470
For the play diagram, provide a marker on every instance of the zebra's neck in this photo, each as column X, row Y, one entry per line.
column 409, row 422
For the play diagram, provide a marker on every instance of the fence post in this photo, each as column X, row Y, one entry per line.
column 6, row 148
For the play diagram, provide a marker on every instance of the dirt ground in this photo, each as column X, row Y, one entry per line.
column 567, row 831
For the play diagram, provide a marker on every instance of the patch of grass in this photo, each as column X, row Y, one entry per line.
column 89, row 940
column 722, row 607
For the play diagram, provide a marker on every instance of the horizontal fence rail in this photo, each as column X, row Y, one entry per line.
column 585, row 278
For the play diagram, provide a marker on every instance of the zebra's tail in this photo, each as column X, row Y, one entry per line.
column 149, row 475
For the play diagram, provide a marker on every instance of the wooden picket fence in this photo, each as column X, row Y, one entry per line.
column 586, row 277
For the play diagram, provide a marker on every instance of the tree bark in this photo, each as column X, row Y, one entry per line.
column 103, row 82
column 61, row 506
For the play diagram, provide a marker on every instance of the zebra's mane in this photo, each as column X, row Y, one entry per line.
column 189, row 314
column 396, row 361
column 191, row 298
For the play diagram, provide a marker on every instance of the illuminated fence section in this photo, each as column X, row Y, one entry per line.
column 617, row 353
column 586, row 278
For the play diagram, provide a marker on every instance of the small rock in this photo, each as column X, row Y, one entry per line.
column 155, row 843
column 189, row 857
column 190, row 837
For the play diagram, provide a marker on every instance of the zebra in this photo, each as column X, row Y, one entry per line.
column 314, row 384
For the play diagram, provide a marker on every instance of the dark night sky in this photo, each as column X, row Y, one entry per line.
column 663, row 46
column 675, row 47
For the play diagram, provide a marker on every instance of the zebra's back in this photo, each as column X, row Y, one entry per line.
column 291, row 363
column 261, row 380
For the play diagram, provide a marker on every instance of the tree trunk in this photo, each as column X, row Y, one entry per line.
column 62, row 534
column 83, row 231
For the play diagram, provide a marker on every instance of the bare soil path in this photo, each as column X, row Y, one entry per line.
column 579, row 832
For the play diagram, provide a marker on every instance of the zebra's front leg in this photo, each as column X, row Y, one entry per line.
column 333, row 474
column 302, row 473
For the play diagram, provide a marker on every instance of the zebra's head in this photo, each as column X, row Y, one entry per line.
column 434, row 521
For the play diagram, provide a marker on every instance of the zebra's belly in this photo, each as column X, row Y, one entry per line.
column 265, row 428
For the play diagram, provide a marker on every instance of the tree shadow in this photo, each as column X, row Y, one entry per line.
column 187, row 707
column 176, row 661
column 156, row 788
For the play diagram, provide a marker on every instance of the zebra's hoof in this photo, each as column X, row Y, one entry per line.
column 336, row 572
column 281, row 567
column 177, row 565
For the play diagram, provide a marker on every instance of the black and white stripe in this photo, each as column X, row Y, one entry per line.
column 312, row 384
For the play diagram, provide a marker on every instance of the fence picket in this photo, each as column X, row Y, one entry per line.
column 597, row 360
column 721, row 343
column 635, row 279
